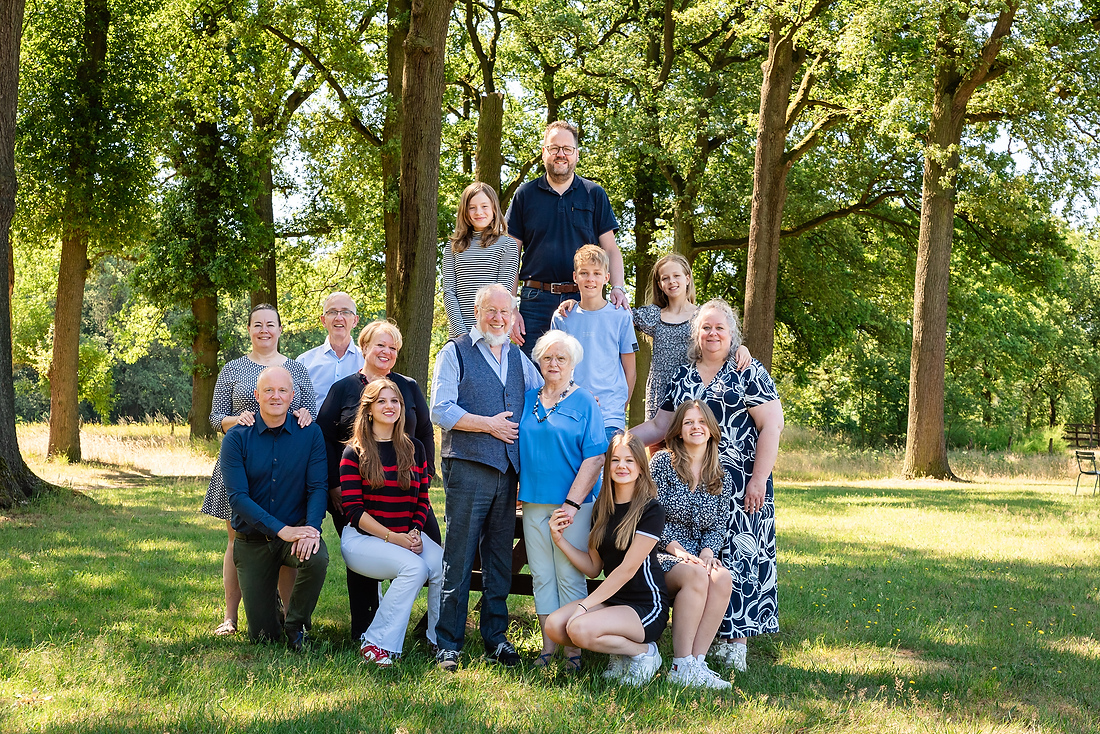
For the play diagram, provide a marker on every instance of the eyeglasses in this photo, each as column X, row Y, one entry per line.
column 555, row 149
column 334, row 312
column 496, row 312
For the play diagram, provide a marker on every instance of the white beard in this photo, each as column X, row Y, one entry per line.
column 493, row 340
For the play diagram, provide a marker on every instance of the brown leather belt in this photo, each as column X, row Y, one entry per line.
column 555, row 288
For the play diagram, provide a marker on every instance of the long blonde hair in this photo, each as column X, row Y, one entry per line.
column 362, row 440
column 658, row 297
column 644, row 491
column 712, row 472
column 464, row 229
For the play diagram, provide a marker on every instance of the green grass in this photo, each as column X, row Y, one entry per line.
column 925, row 607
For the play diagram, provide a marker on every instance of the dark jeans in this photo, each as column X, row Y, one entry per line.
column 363, row 590
column 481, row 513
column 258, row 564
column 537, row 308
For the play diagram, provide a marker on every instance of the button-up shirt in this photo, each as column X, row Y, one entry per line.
column 274, row 476
column 325, row 368
column 446, row 411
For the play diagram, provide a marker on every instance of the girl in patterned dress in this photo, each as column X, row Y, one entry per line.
column 696, row 493
column 235, row 402
column 750, row 419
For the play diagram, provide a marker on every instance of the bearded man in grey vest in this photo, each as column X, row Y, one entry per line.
column 477, row 395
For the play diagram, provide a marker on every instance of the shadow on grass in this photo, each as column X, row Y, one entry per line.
column 954, row 498
column 112, row 604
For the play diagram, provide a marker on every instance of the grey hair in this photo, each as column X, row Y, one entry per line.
column 557, row 336
column 695, row 352
column 330, row 296
column 485, row 291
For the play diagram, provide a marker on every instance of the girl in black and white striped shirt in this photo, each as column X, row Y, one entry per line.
column 479, row 252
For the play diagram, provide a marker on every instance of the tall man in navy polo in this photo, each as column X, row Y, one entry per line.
column 552, row 217
column 477, row 395
column 276, row 476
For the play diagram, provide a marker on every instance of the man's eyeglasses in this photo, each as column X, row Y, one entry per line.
column 334, row 312
column 555, row 149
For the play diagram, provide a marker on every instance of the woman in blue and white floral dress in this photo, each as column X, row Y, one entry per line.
column 750, row 417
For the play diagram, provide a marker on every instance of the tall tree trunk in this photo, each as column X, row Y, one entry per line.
column 65, row 365
column 925, row 443
column 264, row 206
column 413, row 299
column 17, row 483
column 398, row 12
column 204, row 355
column 73, row 269
column 769, row 196
column 204, row 302
column 645, row 224
column 490, row 132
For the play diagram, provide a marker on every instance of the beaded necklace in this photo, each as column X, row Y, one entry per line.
column 538, row 401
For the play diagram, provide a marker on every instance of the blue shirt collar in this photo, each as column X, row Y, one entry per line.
column 544, row 183
column 260, row 426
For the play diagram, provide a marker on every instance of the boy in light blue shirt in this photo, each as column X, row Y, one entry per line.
column 607, row 334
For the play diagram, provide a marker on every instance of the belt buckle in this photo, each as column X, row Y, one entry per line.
column 557, row 288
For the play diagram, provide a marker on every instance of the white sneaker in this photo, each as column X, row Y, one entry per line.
column 683, row 674
column 643, row 667
column 708, row 678
column 616, row 667
column 730, row 654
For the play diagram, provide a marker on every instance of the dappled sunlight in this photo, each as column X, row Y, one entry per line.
column 904, row 606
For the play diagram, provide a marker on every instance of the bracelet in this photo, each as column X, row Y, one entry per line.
column 387, row 538
column 619, row 287
column 571, row 503
column 582, row 606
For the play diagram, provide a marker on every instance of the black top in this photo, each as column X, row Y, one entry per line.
column 553, row 226
column 647, row 588
column 337, row 418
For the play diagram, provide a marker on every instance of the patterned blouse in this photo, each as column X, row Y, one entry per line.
column 234, row 393
column 694, row 519
column 670, row 343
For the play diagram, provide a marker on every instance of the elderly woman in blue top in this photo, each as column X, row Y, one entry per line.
column 561, row 449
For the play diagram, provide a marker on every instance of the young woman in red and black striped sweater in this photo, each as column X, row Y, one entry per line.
column 384, row 491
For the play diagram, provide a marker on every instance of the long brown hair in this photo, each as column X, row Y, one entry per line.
column 362, row 440
column 464, row 229
column 658, row 297
column 711, row 474
column 644, row 491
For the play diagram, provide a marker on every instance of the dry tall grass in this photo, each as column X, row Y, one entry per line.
column 150, row 448
column 808, row 455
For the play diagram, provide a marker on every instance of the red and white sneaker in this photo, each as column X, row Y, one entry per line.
column 375, row 655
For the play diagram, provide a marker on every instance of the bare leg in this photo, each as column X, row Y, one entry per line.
column 615, row 630
column 549, row 647
column 287, row 577
column 230, row 583
column 687, row 583
column 718, row 594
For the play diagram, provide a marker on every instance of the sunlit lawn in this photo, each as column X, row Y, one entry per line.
column 904, row 607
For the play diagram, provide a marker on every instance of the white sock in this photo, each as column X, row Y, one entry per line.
column 681, row 662
column 701, row 658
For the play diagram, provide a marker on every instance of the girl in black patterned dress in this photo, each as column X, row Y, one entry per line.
column 627, row 613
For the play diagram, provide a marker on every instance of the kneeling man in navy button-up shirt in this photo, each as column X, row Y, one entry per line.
column 275, row 473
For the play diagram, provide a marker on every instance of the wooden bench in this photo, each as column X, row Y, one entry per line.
column 522, row 583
